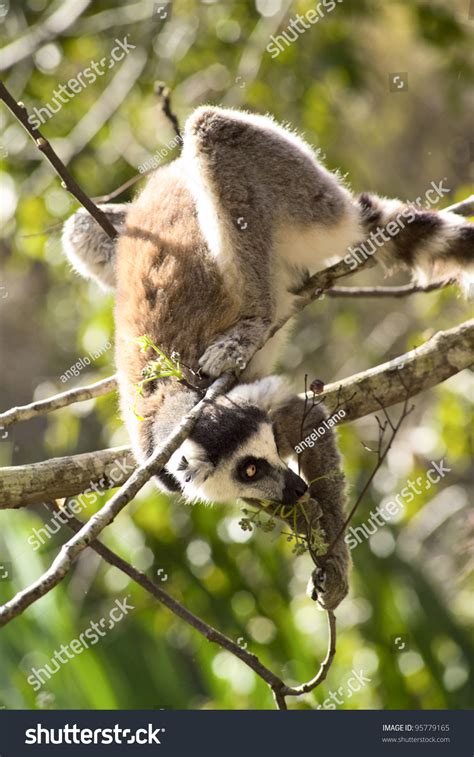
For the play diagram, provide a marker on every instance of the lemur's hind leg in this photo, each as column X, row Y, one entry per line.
column 256, row 187
column 87, row 246
column 235, row 216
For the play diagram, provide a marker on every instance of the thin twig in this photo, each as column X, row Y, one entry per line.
column 164, row 93
column 210, row 633
column 21, row 114
column 399, row 291
column 129, row 183
column 63, row 399
column 279, row 688
column 321, row 675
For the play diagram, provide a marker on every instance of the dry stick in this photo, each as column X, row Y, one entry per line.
column 164, row 93
column 208, row 631
column 279, row 688
column 73, row 548
column 400, row 291
column 63, row 399
column 20, row 112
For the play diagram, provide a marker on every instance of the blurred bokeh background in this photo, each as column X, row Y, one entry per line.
column 413, row 578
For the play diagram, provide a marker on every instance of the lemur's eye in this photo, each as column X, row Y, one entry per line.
column 249, row 469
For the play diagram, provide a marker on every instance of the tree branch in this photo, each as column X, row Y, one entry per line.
column 73, row 548
column 63, row 399
column 401, row 291
column 279, row 688
column 445, row 354
column 64, row 477
column 164, row 93
column 21, row 114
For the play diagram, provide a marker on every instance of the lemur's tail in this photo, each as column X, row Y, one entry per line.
column 434, row 245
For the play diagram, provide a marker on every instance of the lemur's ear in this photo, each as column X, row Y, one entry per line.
column 269, row 393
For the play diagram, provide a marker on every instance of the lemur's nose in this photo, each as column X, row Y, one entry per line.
column 294, row 488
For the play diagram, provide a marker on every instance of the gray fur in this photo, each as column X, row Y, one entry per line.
column 89, row 248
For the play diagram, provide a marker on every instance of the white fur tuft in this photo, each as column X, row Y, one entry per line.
column 269, row 393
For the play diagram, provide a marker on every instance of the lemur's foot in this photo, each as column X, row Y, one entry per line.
column 232, row 352
column 329, row 585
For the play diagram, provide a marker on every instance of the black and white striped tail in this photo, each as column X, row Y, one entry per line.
column 435, row 245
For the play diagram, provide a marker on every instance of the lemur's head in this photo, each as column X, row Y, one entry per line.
column 232, row 452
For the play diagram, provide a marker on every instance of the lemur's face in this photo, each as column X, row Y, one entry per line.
column 232, row 453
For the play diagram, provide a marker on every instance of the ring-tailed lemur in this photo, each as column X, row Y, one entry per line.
column 206, row 262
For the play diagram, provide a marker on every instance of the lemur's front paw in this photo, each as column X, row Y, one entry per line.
column 228, row 354
column 329, row 585
column 232, row 351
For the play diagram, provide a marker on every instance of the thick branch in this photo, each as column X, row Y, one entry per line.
column 64, row 476
column 444, row 355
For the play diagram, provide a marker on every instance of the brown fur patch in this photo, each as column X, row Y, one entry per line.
column 168, row 287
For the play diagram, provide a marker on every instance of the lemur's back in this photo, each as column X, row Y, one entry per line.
column 160, row 252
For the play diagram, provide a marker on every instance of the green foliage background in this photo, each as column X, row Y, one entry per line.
column 414, row 577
